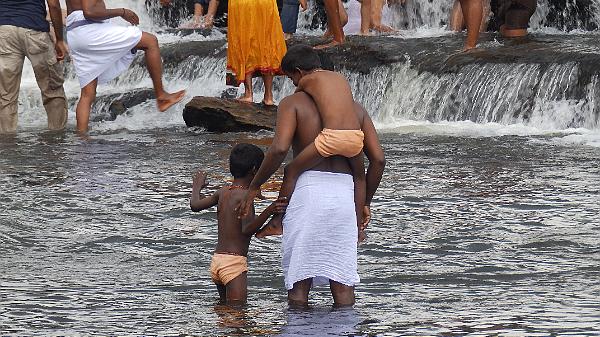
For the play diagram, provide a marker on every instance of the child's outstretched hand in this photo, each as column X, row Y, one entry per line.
column 200, row 179
column 246, row 203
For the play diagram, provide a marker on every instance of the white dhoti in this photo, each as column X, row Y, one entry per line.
column 319, row 230
column 101, row 49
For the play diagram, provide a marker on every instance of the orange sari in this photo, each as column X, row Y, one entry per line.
column 255, row 39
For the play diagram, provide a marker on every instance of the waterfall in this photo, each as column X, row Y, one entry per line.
column 545, row 96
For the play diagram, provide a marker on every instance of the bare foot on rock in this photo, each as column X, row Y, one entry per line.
column 273, row 227
column 246, row 99
column 328, row 45
column 168, row 100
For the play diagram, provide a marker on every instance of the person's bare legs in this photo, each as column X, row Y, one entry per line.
column 164, row 100
column 84, row 106
column 473, row 14
column 298, row 295
column 365, row 17
column 305, row 160
column 343, row 295
column 248, row 95
column 343, row 20
column 268, row 81
column 222, row 293
column 237, row 289
column 334, row 24
column 376, row 10
column 457, row 22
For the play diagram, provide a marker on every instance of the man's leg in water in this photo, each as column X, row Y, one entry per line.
column 298, row 295
column 307, row 159
column 473, row 14
column 149, row 44
column 82, row 111
column 222, row 293
column 343, row 295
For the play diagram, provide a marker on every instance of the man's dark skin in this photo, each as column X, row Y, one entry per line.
column 300, row 110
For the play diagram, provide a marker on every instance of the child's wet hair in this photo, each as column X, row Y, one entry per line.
column 244, row 158
column 301, row 57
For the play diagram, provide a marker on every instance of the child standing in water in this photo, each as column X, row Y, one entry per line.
column 229, row 266
column 341, row 134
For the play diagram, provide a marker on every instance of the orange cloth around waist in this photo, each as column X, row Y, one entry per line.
column 347, row 143
column 226, row 267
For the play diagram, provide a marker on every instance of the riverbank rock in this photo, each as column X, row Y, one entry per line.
column 228, row 115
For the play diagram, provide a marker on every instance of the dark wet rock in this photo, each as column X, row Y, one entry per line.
column 228, row 115
column 108, row 107
column 436, row 55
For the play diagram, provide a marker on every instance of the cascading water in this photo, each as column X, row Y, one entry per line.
column 552, row 97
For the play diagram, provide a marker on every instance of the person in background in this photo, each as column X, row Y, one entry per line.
column 204, row 21
column 101, row 51
column 24, row 32
column 457, row 21
column 512, row 16
column 376, row 14
column 255, row 45
column 289, row 16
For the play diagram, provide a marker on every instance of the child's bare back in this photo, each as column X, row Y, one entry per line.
column 333, row 97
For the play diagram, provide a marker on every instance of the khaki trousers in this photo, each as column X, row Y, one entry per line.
column 16, row 43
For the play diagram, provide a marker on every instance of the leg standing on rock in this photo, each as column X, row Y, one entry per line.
column 473, row 14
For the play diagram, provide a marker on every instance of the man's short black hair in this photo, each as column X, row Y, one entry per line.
column 244, row 158
column 302, row 57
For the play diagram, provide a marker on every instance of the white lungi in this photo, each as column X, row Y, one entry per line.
column 100, row 50
column 319, row 230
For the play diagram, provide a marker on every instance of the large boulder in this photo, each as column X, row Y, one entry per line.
column 228, row 115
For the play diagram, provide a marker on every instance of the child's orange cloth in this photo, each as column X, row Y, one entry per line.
column 255, row 42
column 347, row 143
column 226, row 267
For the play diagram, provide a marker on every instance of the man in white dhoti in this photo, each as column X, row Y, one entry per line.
column 101, row 51
column 319, row 228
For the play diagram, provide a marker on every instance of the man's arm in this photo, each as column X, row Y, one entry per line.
column 199, row 201
column 285, row 128
column 57, row 23
column 249, row 227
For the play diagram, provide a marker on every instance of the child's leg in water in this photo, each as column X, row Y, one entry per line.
column 305, row 160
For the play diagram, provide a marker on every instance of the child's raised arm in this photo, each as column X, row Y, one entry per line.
column 252, row 224
column 199, row 201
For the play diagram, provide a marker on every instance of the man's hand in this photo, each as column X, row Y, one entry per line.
column 280, row 205
column 246, row 204
column 130, row 16
column 366, row 217
column 200, row 179
column 61, row 50
column 165, row 3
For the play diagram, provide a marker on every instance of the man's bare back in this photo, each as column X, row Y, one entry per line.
column 333, row 98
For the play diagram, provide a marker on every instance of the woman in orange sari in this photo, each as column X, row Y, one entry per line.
column 255, row 45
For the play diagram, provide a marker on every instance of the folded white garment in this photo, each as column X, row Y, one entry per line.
column 100, row 49
column 319, row 230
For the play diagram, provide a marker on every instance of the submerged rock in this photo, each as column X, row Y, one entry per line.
column 108, row 107
column 228, row 115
